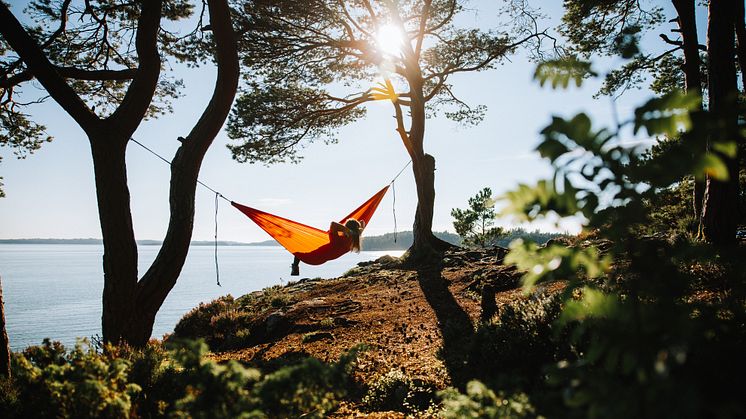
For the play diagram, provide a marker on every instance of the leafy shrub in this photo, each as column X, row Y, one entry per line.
column 647, row 345
column 510, row 351
column 198, row 323
column 481, row 402
column 181, row 382
column 226, row 322
column 398, row 392
column 83, row 384
column 152, row 369
column 209, row 390
column 309, row 389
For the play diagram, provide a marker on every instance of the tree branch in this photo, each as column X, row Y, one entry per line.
column 131, row 111
column 423, row 24
column 72, row 73
column 32, row 54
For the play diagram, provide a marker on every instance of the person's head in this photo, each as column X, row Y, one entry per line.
column 356, row 227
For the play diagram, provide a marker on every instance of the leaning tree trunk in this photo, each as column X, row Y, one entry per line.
column 4, row 343
column 720, row 213
column 692, row 79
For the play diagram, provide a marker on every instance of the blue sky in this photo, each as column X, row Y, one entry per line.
column 51, row 193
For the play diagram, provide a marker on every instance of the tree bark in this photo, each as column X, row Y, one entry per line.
column 692, row 78
column 4, row 342
column 720, row 212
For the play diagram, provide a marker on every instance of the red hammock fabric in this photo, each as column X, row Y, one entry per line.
column 309, row 244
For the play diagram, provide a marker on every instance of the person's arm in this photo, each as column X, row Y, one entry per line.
column 335, row 228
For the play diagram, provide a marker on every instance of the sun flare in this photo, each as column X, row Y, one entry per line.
column 389, row 40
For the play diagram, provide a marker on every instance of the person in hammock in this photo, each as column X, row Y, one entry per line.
column 347, row 235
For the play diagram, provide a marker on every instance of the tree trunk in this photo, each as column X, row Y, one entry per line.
column 720, row 213
column 120, row 248
column 4, row 342
column 145, row 299
column 425, row 245
column 692, row 79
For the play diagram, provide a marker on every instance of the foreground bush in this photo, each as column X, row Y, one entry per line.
column 510, row 350
column 398, row 392
column 481, row 402
column 50, row 382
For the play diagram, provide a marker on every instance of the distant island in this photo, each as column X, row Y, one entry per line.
column 140, row 242
column 389, row 241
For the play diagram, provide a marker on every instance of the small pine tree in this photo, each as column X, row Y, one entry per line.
column 475, row 224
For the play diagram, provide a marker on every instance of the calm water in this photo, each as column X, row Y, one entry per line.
column 55, row 290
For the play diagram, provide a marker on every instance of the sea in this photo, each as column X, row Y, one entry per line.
column 54, row 290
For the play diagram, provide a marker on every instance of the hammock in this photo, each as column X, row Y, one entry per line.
column 309, row 244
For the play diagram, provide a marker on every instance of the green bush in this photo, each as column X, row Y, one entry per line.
column 309, row 389
column 226, row 323
column 83, row 384
column 648, row 342
column 209, row 390
column 121, row 382
column 398, row 392
column 198, row 323
column 481, row 402
column 511, row 350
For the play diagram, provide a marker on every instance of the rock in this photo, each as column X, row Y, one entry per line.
column 275, row 321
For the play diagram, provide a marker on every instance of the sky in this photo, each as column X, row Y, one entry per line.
column 51, row 194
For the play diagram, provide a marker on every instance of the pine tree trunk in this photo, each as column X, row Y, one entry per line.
column 4, row 342
column 120, row 248
column 720, row 213
column 692, row 79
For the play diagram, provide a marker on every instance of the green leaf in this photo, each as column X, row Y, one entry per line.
column 667, row 114
column 552, row 149
column 728, row 148
column 712, row 166
column 594, row 303
column 560, row 72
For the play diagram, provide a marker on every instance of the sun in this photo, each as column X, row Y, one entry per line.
column 389, row 40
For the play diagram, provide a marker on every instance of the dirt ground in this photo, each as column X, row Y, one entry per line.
column 408, row 319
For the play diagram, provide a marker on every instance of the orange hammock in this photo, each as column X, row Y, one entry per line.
column 309, row 244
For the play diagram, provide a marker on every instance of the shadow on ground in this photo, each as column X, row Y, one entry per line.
column 454, row 323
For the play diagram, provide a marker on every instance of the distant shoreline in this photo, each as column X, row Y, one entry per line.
column 140, row 242
column 389, row 241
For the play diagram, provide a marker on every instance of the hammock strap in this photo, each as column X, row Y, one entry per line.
column 393, row 191
column 217, row 195
column 217, row 268
column 393, row 206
